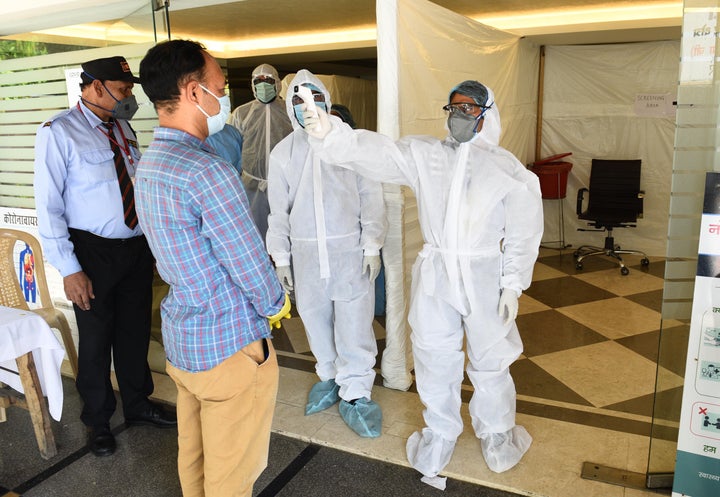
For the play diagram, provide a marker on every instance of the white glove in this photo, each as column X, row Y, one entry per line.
column 316, row 126
column 508, row 307
column 285, row 276
column 371, row 265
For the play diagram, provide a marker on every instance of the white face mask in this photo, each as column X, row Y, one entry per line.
column 217, row 122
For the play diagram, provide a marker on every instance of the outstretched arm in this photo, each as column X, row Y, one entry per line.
column 370, row 154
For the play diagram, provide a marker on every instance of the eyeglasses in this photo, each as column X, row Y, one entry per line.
column 318, row 97
column 464, row 108
column 264, row 79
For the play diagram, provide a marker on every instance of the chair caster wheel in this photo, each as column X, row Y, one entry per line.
column 645, row 261
column 578, row 265
column 624, row 271
column 576, row 254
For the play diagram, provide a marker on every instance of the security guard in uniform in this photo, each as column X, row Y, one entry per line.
column 85, row 158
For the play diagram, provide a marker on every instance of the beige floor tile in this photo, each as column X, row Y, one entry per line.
column 551, row 468
column 667, row 379
column 379, row 330
column 614, row 318
column 543, row 272
column 603, row 373
column 613, row 281
column 165, row 389
column 296, row 334
column 294, row 386
column 529, row 305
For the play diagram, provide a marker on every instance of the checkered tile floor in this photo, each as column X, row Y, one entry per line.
column 591, row 342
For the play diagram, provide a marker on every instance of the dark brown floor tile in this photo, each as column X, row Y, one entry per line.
column 381, row 349
column 565, row 262
column 673, row 348
column 586, row 418
column 652, row 300
column 645, row 344
column 668, row 403
column 281, row 341
column 639, row 405
column 531, row 379
column 656, row 268
column 663, row 405
column 549, row 331
column 298, row 363
column 565, row 291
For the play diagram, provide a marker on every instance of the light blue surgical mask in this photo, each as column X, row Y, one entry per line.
column 299, row 113
column 217, row 122
column 265, row 92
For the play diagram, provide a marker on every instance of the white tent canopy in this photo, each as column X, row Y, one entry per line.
column 590, row 108
column 423, row 51
column 24, row 17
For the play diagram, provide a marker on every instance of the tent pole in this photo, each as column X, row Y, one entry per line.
column 538, row 127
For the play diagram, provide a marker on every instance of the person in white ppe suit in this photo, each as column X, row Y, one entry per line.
column 262, row 122
column 480, row 213
column 328, row 222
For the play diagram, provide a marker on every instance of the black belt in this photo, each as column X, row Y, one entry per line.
column 93, row 239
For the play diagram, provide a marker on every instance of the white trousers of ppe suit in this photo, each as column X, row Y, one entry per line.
column 338, row 316
column 438, row 330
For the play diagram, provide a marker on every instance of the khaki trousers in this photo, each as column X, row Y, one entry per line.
column 224, row 420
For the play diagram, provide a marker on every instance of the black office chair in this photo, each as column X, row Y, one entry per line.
column 614, row 201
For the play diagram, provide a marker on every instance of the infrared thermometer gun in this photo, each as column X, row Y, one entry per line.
column 307, row 96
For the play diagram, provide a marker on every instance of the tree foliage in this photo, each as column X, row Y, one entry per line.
column 15, row 49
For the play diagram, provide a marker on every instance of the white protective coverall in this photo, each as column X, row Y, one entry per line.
column 480, row 212
column 262, row 126
column 327, row 218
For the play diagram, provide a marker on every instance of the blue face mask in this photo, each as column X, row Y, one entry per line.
column 298, row 111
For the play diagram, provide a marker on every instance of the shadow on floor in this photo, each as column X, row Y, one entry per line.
column 144, row 464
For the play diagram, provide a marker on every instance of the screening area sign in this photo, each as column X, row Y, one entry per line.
column 697, row 467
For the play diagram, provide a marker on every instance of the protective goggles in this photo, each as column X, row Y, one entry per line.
column 318, row 97
column 465, row 108
column 264, row 79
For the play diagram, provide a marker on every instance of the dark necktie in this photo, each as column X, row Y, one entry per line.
column 126, row 186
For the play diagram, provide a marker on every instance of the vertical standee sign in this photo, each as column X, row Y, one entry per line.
column 697, row 469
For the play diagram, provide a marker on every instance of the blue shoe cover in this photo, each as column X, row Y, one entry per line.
column 363, row 416
column 323, row 394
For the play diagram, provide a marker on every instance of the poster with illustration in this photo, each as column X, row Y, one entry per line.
column 24, row 258
column 697, row 467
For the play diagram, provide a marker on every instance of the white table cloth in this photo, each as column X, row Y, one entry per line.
column 21, row 332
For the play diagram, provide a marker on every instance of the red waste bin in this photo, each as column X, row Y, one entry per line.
column 553, row 175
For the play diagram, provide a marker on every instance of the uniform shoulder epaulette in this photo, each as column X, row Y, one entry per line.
column 46, row 124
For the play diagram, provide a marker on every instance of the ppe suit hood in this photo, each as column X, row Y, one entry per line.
column 304, row 76
column 490, row 133
column 266, row 70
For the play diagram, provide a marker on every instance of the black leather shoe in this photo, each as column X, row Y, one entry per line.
column 155, row 416
column 101, row 441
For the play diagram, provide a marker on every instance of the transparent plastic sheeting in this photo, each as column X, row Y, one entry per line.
column 423, row 51
column 358, row 95
column 589, row 108
column 596, row 107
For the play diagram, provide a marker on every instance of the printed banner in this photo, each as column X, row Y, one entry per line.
column 697, row 467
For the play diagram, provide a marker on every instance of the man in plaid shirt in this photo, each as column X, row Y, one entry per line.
column 223, row 287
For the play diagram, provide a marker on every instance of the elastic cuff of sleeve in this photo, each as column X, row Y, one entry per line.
column 285, row 309
column 281, row 260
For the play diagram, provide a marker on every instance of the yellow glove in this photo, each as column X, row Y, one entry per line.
column 283, row 314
